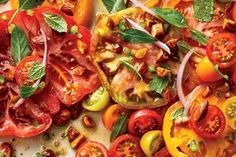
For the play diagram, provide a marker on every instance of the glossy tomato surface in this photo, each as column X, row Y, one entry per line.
column 92, row 149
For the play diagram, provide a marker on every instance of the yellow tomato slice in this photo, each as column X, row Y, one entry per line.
column 229, row 109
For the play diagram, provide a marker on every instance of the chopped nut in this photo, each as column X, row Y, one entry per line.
column 68, row 9
column 62, row 118
column 75, row 137
column 39, row 40
column 220, row 91
column 88, row 122
column 172, row 43
column 227, row 95
column 140, row 53
column 162, row 72
column 198, row 110
column 7, row 149
column 48, row 153
column 207, row 92
column 157, row 29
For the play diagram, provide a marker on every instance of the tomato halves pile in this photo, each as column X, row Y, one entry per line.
column 42, row 68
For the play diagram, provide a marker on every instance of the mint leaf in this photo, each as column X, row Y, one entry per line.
column 19, row 44
column 119, row 127
column 183, row 46
column 171, row 16
column 220, row 73
column 203, row 10
column 158, row 84
column 113, row 6
column 136, row 36
column 199, row 36
column 3, row 1
column 193, row 145
column 29, row 4
column 37, row 71
column 178, row 113
column 27, row 91
column 130, row 67
column 56, row 22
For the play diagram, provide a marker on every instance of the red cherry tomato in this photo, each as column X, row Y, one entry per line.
column 162, row 153
column 4, row 38
column 92, row 149
column 126, row 145
column 234, row 77
column 143, row 121
column 211, row 124
column 111, row 115
column 221, row 49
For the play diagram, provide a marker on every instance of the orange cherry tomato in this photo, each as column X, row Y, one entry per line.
column 111, row 115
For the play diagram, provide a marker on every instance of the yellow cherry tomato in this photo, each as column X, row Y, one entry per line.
column 206, row 71
column 151, row 141
column 229, row 109
column 97, row 100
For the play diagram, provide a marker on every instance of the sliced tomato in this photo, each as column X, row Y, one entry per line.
column 4, row 38
column 111, row 115
column 221, row 49
column 23, row 69
column 73, row 76
column 126, row 145
column 25, row 121
column 92, row 149
column 143, row 121
column 210, row 124
column 162, row 153
column 234, row 12
column 234, row 77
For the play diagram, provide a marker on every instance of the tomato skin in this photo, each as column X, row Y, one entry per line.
column 229, row 110
column 162, row 153
column 234, row 12
column 234, row 77
column 89, row 149
column 131, row 146
column 213, row 117
column 111, row 115
column 4, row 38
column 224, row 44
column 143, row 121
column 206, row 71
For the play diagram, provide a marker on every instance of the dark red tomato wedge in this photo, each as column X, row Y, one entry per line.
column 221, row 49
column 143, row 121
column 92, row 149
column 4, row 38
column 26, row 121
column 211, row 123
column 125, row 146
column 162, row 153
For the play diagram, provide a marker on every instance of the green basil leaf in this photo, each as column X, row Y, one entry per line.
column 220, row 73
column 56, row 22
column 130, row 67
column 178, row 113
column 193, row 145
column 136, row 36
column 2, row 79
column 37, row 71
column 119, row 127
column 158, row 84
column 3, row 1
column 171, row 16
column 29, row 4
column 199, row 36
column 27, row 91
column 203, row 10
column 183, row 46
column 114, row 5
column 19, row 44
column 2, row 154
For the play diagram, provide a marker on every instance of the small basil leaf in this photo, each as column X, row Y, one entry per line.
column 130, row 67
column 178, row 113
column 3, row 1
column 119, row 127
column 203, row 10
column 2, row 154
column 171, row 16
column 183, row 46
column 27, row 91
column 193, row 145
column 220, row 73
column 136, row 36
column 29, row 4
column 158, row 84
column 2, row 79
column 56, row 22
column 37, row 71
column 19, row 44
column 114, row 5
column 199, row 36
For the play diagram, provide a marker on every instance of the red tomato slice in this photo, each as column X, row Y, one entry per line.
column 26, row 121
column 162, row 153
column 221, row 49
column 234, row 12
column 234, row 77
column 143, row 121
column 92, row 149
column 211, row 124
column 126, row 145
column 4, row 38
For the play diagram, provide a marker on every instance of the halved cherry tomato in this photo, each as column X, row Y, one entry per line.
column 92, row 149
column 124, row 146
column 4, row 38
column 143, row 121
column 221, row 49
column 234, row 12
column 206, row 71
column 210, row 124
column 162, row 153
column 234, row 77
column 229, row 109
column 111, row 115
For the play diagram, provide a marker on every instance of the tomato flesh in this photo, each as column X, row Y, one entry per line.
column 143, row 121
column 92, row 149
column 234, row 77
column 126, row 145
column 211, row 123
column 221, row 49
